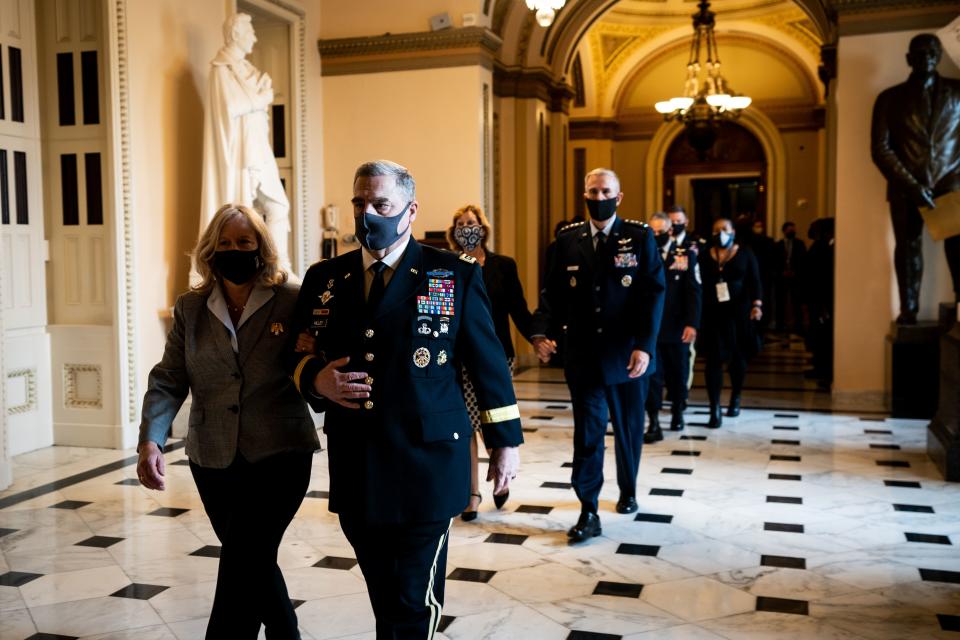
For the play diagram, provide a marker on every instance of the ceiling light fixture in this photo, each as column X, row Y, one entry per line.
column 546, row 10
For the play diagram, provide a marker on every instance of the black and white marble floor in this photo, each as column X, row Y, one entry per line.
column 780, row 525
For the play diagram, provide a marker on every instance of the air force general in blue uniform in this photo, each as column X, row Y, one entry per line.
column 603, row 299
column 393, row 323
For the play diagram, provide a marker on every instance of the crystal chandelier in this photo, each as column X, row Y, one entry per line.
column 705, row 102
column 546, row 10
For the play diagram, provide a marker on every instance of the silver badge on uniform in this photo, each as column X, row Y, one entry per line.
column 424, row 330
column 626, row 281
column 573, row 281
column 330, row 283
column 421, row 357
column 442, row 357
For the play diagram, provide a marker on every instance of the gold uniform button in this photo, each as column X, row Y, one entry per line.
column 368, row 380
column 369, row 357
column 368, row 333
column 368, row 404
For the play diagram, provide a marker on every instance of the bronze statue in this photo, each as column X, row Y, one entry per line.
column 916, row 144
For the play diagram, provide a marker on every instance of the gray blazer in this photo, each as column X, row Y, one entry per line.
column 242, row 400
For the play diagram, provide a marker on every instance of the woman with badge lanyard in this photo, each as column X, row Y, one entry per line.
column 731, row 306
column 469, row 234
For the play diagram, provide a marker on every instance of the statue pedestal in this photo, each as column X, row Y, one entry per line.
column 943, row 433
column 915, row 365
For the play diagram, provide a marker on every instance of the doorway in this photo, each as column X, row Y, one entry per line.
column 727, row 197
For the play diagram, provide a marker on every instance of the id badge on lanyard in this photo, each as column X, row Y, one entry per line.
column 723, row 292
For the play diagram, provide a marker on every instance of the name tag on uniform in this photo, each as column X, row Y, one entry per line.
column 624, row 260
column 573, row 267
column 723, row 292
column 680, row 263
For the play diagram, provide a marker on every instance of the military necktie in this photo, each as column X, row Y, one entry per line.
column 600, row 249
column 378, row 286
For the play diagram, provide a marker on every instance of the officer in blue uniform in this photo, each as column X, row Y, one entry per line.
column 678, row 328
column 393, row 323
column 603, row 298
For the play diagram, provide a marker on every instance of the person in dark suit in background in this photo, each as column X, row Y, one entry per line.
column 678, row 329
column 765, row 250
column 250, row 439
column 469, row 234
column 394, row 322
column 603, row 298
column 789, row 260
column 818, row 284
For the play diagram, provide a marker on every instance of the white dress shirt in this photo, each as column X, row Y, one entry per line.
column 392, row 259
column 608, row 225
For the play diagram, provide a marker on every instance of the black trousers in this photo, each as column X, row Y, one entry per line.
column 672, row 370
column 908, row 252
column 250, row 505
column 405, row 566
column 736, row 366
column 592, row 403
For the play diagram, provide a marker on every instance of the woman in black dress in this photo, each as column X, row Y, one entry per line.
column 469, row 234
column 731, row 306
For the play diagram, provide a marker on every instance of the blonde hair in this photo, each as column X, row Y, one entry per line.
column 481, row 218
column 270, row 273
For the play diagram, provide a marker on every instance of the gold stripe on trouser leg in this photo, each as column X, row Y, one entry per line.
column 431, row 600
column 693, row 356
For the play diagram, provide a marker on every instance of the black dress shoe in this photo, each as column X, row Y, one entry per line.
column 716, row 418
column 627, row 504
column 653, row 434
column 676, row 422
column 588, row 526
column 500, row 500
column 733, row 409
column 470, row 516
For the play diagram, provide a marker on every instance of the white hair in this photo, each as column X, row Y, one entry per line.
column 600, row 171
column 405, row 181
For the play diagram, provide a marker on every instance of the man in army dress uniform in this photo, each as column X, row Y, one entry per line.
column 603, row 297
column 678, row 328
column 393, row 322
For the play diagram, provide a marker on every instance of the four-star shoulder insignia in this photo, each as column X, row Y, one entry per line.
column 638, row 223
column 572, row 225
column 468, row 259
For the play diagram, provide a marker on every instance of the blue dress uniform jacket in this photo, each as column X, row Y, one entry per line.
column 603, row 312
column 681, row 307
column 404, row 455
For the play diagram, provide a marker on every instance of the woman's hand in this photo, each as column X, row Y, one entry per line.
column 151, row 467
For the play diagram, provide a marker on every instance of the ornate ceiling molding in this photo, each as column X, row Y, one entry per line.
column 403, row 51
column 537, row 84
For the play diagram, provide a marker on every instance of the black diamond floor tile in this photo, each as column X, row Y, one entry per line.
column 785, row 499
column 927, row 538
column 181, row 463
column 792, row 443
column 483, row 459
column 699, row 438
column 529, row 430
column 783, row 605
column 139, row 591
column 318, row 494
column 638, row 550
column 70, row 504
column 506, row 538
column 567, row 465
column 683, row 472
column 6, row 532
column 445, row 622
column 541, row 417
column 556, row 485
column 17, row 578
column 929, row 575
column 780, row 458
column 129, row 482
column 900, row 464
column 786, row 562
column 784, row 476
column 208, row 551
column 786, row 415
column 296, row 603
column 867, row 419
column 653, row 517
column 557, row 406
column 889, row 447
column 913, row 508
column 577, row 634
column 101, row 542
column 620, row 589
column 51, row 636
column 471, row 575
column 778, row 427
column 696, row 424
column 676, row 493
column 334, row 562
column 878, row 432
column 169, row 512
column 948, row 622
column 534, row 508
column 783, row 526
column 905, row 484
column 693, row 454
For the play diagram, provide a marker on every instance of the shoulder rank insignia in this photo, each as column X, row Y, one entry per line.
column 468, row 259
column 571, row 226
column 636, row 223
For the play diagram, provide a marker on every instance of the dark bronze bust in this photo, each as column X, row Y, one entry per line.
column 915, row 140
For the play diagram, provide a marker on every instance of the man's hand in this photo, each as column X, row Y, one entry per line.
column 922, row 196
column 689, row 335
column 639, row 361
column 756, row 313
column 504, row 463
column 340, row 386
column 305, row 343
column 545, row 347
column 151, row 467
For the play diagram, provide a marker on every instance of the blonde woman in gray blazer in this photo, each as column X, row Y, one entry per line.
column 251, row 439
